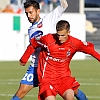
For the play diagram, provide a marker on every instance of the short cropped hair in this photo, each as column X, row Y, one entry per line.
column 62, row 24
column 33, row 3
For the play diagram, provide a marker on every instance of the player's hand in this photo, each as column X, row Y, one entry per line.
column 64, row 3
column 21, row 63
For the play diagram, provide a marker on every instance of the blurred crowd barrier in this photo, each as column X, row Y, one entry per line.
column 14, row 38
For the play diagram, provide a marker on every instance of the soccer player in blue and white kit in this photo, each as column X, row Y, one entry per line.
column 40, row 26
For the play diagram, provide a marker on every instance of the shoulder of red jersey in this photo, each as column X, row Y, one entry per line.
column 75, row 42
column 48, row 38
column 73, row 39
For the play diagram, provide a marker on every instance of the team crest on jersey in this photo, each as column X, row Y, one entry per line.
column 37, row 34
column 39, row 25
column 68, row 53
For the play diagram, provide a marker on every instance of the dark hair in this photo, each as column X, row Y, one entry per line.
column 33, row 3
column 62, row 24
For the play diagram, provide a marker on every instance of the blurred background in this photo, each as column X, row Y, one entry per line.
column 83, row 15
column 84, row 18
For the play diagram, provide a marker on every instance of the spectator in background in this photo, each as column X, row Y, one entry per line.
column 8, row 9
column 14, row 2
column 89, row 27
column 48, row 5
column 12, row 9
column 41, row 2
column 0, row 9
column 45, row 5
column 16, row 6
column 55, row 3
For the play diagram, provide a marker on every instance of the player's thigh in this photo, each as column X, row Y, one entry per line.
column 76, row 91
column 48, row 94
column 68, row 83
column 46, row 91
column 30, row 77
column 50, row 98
column 68, row 94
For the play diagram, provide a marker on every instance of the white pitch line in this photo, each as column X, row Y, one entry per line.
column 8, row 83
column 87, row 78
column 89, row 84
column 10, row 95
column 18, row 80
column 76, row 78
column 10, row 79
column 94, row 84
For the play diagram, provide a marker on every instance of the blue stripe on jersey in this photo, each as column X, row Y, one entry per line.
column 36, row 34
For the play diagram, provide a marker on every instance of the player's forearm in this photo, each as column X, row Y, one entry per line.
column 26, row 55
column 29, row 51
column 91, row 50
column 88, row 48
column 64, row 3
column 96, row 55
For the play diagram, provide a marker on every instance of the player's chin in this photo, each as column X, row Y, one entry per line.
column 31, row 20
column 61, row 42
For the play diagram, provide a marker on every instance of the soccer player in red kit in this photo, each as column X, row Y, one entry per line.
column 54, row 73
column 39, row 25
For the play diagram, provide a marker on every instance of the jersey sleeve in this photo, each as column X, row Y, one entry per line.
column 30, row 49
column 88, row 48
column 34, row 43
column 52, row 18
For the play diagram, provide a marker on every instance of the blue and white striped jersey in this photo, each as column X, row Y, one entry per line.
column 46, row 25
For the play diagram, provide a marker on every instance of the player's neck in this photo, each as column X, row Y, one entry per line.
column 36, row 21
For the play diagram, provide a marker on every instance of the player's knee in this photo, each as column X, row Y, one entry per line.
column 68, row 94
column 50, row 98
column 21, row 92
column 76, row 92
column 80, row 95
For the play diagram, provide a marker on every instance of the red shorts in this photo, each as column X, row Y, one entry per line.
column 49, row 88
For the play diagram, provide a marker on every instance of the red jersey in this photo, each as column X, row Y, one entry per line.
column 54, row 62
column 53, row 67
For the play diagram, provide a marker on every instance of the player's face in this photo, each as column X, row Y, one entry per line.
column 32, row 14
column 63, row 35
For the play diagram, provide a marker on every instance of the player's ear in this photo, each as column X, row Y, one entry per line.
column 38, row 11
column 68, row 32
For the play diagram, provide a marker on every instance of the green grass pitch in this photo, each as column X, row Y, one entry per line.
column 87, row 73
